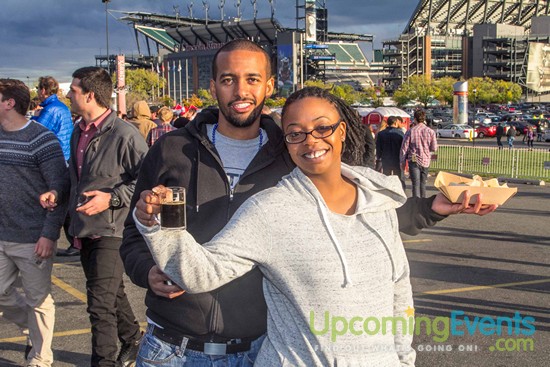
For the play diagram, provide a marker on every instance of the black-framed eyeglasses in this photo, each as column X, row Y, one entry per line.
column 320, row 132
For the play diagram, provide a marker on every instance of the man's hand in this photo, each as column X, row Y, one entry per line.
column 98, row 203
column 44, row 248
column 148, row 205
column 442, row 206
column 48, row 200
column 157, row 284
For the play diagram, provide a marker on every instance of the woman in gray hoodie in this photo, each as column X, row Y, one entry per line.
column 326, row 239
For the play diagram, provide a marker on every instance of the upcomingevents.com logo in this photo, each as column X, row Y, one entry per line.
column 512, row 330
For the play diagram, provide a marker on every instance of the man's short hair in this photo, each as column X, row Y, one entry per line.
column 392, row 120
column 244, row 45
column 18, row 91
column 97, row 80
column 420, row 116
column 49, row 84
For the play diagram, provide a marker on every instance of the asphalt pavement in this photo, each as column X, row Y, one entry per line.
column 489, row 269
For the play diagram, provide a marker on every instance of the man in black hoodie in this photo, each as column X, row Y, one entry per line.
column 222, row 158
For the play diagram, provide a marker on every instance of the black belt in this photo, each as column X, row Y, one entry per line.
column 210, row 348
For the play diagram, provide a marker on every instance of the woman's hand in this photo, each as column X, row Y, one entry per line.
column 442, row 206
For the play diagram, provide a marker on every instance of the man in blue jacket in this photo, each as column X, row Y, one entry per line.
column 55, row 116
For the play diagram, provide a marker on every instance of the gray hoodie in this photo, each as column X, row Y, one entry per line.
column 330, row 279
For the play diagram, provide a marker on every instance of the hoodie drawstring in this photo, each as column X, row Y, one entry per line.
column 197, row 168
column 347, row 277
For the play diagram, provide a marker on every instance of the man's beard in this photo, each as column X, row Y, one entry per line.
column 237, row 121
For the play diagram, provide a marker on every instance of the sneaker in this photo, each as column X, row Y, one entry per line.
column 71, row 251
column 128, row 353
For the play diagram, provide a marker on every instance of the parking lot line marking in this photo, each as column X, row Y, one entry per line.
column 67, row 288
column 482, row 287
column 58, row 334
column 417, row 241
column 67, row 263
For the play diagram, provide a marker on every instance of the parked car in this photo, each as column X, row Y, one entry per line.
column 546, row 135
column 444, row 123
column 433, row 120
column 456, row 131
column 484, row 130
column 521, row 126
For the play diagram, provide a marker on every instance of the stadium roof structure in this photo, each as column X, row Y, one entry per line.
column 175, row 32
column 262, row 30
column 445, row 17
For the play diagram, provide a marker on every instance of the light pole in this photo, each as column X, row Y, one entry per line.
column 107, row 32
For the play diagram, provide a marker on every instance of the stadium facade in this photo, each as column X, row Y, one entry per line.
column 501, row 39
column 182, row 48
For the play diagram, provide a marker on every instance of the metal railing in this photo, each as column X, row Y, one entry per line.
column 514, row 163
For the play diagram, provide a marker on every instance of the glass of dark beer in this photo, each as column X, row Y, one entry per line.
column 172, row 209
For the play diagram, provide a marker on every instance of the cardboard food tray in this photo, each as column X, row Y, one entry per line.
column 491, row 195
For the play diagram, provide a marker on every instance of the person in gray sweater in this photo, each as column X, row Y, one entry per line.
column 326, row 239
column 35, row 184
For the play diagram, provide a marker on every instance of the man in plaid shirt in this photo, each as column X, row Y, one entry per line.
column 419, row 143
column 165, row 116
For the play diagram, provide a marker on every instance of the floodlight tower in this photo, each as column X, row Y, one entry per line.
column 107, row 32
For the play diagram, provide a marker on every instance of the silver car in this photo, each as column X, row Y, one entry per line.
column 457, row 131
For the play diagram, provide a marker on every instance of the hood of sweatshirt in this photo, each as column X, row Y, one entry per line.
column 141, row 110
column 381, row 193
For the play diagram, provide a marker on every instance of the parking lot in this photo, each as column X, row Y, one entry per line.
column 493, row 267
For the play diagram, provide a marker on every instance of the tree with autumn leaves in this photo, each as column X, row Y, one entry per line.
column 425, row 90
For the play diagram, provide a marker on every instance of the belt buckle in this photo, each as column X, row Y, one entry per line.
column 215, row 349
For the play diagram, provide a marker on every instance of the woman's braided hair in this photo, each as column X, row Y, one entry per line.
column 353, row 150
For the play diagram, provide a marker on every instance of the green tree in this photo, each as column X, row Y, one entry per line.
column 195, row 101
column 422, row 89
column 402, row 95
column 275, row 102
column 484, row 90
column 345, row 92
column 374, row 95
column 142, row 84
column 417, row 87
column 444, row 89
column 206, row 97
column 317, row 83
column 166, row 101
column 506, row 91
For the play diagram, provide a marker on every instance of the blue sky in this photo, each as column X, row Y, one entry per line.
column 55, row 37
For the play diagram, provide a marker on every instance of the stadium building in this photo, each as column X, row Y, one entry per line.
column 182, row 48
column 501, row 39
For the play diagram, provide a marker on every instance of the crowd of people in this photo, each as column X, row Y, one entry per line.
column 285, row 219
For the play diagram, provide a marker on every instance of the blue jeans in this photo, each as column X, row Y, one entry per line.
column 419, row 177
column 154, row 352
